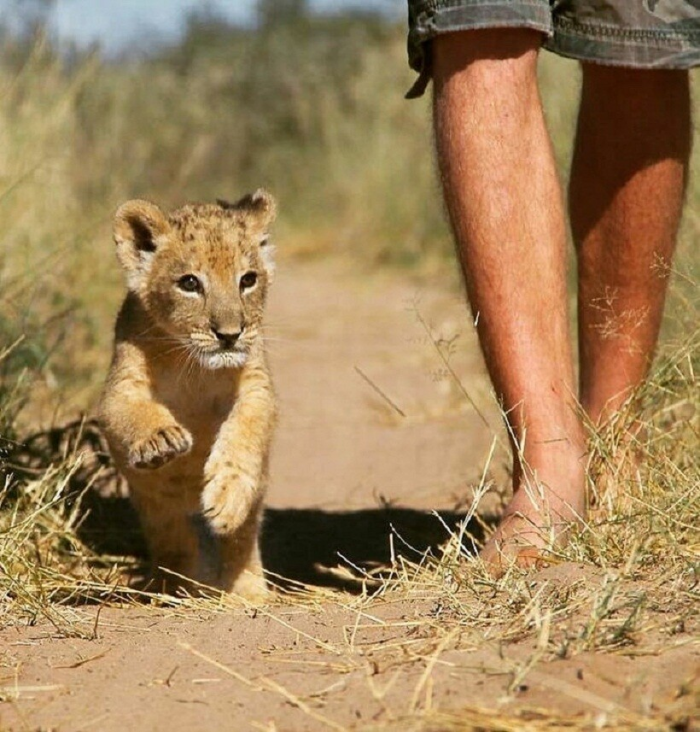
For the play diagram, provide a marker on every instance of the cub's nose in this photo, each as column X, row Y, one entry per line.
column 227, row 338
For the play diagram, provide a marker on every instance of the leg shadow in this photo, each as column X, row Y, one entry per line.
column 304, row 545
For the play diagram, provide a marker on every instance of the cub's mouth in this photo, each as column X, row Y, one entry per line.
column 220, row 358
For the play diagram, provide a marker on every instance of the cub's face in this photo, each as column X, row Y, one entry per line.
column 201, row 273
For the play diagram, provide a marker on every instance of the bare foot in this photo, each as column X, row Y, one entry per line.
column 546, row 503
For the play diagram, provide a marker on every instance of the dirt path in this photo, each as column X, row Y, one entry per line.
column 345, row 341
column 373, row 429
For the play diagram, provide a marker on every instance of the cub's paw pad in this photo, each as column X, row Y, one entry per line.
column 160, row 448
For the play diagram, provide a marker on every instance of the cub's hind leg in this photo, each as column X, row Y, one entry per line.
column 172, row 540
column 232, row 562
column 242, row 570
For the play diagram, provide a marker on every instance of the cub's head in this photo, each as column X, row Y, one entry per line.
column 201, row 272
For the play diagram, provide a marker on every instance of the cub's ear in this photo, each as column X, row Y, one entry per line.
column 262, row 205
column 260, row 202
column 140, row 227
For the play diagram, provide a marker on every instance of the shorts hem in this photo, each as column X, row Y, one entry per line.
column 625, row 47
column 429, row 23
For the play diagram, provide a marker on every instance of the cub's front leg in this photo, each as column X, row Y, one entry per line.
column 235, row 481
column 143, row 436
column 142, row 433
column 236, row 471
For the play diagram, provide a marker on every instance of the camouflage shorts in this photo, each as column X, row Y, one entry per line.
column 644, row 34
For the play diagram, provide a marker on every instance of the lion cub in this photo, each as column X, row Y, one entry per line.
column 188, row 407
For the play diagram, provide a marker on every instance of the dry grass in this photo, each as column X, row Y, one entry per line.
column 632, row 589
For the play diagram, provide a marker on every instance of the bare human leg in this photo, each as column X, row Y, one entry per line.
column 505, row 205
column 626, row 194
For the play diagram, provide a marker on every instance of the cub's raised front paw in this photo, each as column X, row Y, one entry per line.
column 160, row 448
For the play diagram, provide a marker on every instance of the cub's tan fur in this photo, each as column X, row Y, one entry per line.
column 188, row 408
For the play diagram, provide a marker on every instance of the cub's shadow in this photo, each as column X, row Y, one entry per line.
column 304, row 546
column 299, row 546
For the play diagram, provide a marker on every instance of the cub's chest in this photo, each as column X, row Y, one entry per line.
column 201, row 405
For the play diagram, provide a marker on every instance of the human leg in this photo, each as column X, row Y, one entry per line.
column 505, row 205
column 626, row 193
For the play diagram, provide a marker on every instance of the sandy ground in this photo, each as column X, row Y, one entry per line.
column 374, row 433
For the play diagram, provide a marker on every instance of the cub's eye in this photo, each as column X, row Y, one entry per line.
column 189, row 283
column 248, row 280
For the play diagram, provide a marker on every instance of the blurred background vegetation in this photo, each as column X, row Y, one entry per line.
column 308, row 105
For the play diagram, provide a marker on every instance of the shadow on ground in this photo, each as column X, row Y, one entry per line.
column 303, row 544
column 299, row 546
